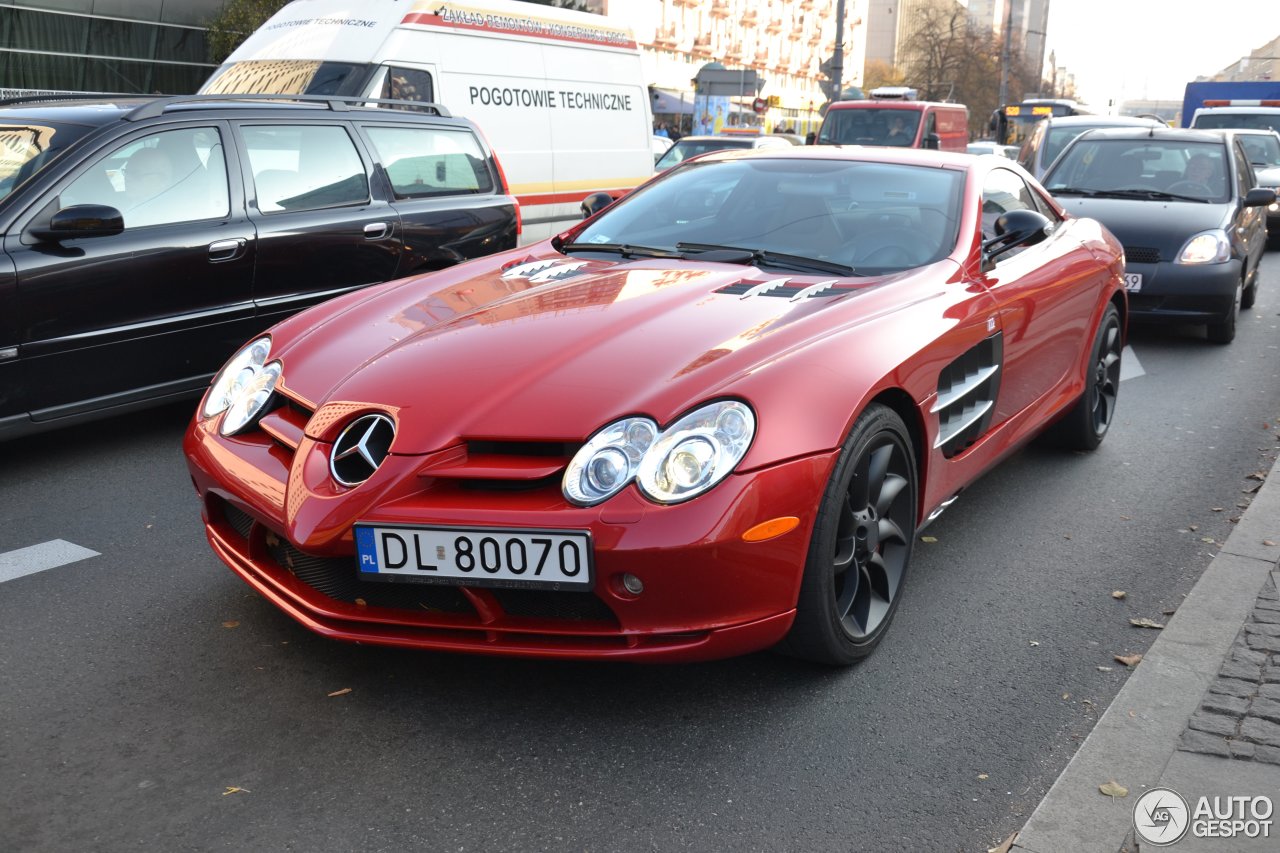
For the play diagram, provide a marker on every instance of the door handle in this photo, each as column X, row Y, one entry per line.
column 226, row 250
column 375, row 230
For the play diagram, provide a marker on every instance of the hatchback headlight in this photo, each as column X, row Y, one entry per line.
column 243, row 386
column 674, row 465
column 1210, row 247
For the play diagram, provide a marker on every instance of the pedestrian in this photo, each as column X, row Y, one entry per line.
column 662, row 130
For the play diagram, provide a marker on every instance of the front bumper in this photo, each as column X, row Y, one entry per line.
column 275, row 519
column 1183, row 293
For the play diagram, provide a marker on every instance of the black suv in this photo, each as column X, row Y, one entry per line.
column 144, row 240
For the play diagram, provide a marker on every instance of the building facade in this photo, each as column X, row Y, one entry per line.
column 123, row 46
column 1262, row 63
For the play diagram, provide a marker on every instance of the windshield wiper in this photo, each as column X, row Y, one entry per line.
column 1072, row 191
column 762, row 256
column 1149, row 194
column 623, row 249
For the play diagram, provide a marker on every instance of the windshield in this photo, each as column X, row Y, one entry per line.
column 686, row 148
column 1058, row 139
column 875, row 217
column 1244, row 121
column 25, row 149
column 1263, row 150
column 1197, row 170
column 287, row 77
column 870, row 126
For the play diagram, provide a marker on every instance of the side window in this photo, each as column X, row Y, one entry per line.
column 175, row 176
column 1244, row 171
column 407, row 84
column 431, row 161
column 1003, row 191
column 304, row 167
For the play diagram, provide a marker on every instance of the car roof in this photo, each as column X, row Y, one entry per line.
column 1155, row 131
column 891, row 104
column 1257, row 109
column 1107, row 121
column 864, row 153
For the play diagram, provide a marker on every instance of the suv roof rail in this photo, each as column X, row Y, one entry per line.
column 333, row 102
column 70, row 96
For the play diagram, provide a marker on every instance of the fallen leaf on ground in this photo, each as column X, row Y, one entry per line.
column 1114, row 789
column 1168, row 612
column 1215, row 509
column 1193, row 527
column 1267, row 542
column 1125, row 518
column 982, row 775
column 1144, row 622
column 929, row 539
column 1248, row 490
column 1119, row 593
column 231, row 624
column 1257, row 475
column 1128, row 660
column 1034, row 643
column 1066, row 696
column 1104, row 669
column 232, row 789
column 1207, row 539
column 344, row 691
column 1005, row 846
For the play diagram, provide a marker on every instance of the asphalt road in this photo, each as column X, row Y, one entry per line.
column 150, row 701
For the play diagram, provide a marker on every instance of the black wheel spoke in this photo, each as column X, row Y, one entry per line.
column 846, row 542
column 893, row 486
column 878, row 469
column 891, row 532
column 860, row 486
column 847, row 593
column 1113, row 339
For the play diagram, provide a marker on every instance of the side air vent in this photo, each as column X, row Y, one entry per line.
column 967, row 390
column 780, row 287
column 539, row 272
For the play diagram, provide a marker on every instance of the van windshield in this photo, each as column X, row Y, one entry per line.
column 874, row 126
column 287, row 77
column 1247, row 121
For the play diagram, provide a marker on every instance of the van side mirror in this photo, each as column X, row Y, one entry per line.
column 80, row 220
column 1015, row 229
column 594, row 203
column 1259, row 197
column 933, row 141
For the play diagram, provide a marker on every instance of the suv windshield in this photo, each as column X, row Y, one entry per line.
column 870, row 126
column 25, row 149
column 1142, row 168
column 874, row 217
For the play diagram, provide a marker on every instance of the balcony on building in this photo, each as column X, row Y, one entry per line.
column 733, row 53
column 750, row 17
column 701, row 46
column 666, row 36
column 774, row 26
column 689, row 3
column 719, row 8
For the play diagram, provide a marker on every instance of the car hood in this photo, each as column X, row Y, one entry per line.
column 554, row 349
column 1162, row 225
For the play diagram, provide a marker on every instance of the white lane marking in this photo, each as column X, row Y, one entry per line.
column 1130, row 367
column 37, row 558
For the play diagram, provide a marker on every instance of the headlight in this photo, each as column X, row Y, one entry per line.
column 607, row 462
column 685, row 460
column 1211, row 247
column 243, row 386
column 696, row 452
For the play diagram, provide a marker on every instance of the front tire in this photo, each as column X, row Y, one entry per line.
column 861, row 544
column 1225, row 331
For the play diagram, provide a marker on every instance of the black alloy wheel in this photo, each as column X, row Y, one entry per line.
column 861, row 544
column 1084, row 427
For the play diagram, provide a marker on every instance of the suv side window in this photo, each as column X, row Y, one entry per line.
column 304, row 167
column 174, row 176
column 430, row 161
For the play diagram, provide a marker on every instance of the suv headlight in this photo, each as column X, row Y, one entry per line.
column 1210, row 247
column 681, row 462
column 242, row 387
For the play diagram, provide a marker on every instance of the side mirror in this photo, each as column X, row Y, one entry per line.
column 1017, row 228
column 933, row 141
column 594, row 203
column 1260, row 197
column 80, row 220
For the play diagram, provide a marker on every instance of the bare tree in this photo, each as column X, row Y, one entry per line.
column 237, row 20
column 879, row 73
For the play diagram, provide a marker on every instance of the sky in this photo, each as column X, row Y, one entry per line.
column 1150, row 49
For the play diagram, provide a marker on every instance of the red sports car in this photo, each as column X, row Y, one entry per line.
column 710, row 419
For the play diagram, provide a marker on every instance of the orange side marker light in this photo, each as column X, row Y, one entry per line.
column 770, row 529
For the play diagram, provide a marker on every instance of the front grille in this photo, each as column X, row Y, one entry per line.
column 1140, row 255
column 240, row 521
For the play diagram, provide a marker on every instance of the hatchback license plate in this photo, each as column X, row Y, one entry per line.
column 1133, row 281
column 474, row 556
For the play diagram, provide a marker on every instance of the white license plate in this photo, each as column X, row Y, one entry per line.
column 495, row 557
column 1133, row 281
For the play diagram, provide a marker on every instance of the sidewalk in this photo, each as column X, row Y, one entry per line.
column 1199, row 715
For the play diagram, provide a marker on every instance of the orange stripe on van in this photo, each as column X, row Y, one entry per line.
column 427, row 19
column 566, row 198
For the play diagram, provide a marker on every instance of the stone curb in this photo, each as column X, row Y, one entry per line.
column 1140, row 731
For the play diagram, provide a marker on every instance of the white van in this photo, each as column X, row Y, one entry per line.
column 559, row 94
